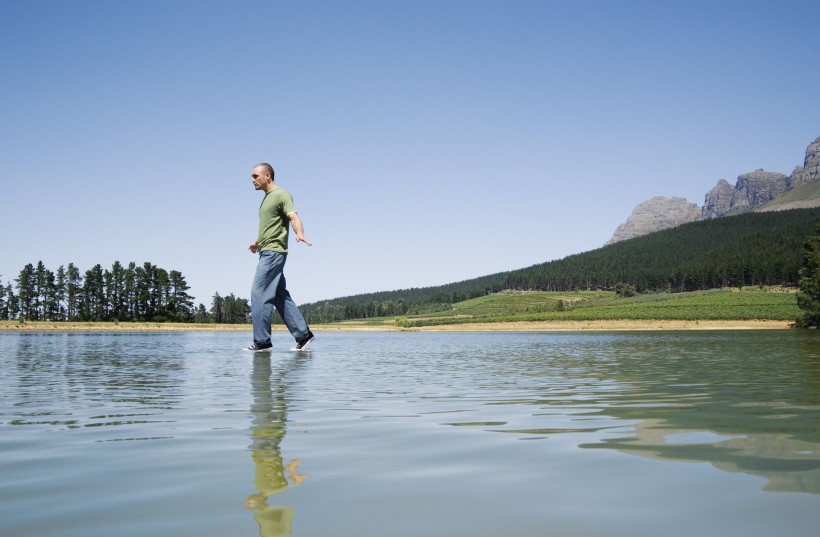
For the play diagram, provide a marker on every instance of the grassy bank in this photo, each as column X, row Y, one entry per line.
column 751, row 304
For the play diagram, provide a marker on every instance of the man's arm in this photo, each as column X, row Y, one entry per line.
column 298, row 228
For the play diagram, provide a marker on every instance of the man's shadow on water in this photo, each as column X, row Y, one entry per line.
column 268, row 427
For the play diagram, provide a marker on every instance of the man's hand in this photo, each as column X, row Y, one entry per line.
column 301, row 238
column 298, row 228
column 254, row 247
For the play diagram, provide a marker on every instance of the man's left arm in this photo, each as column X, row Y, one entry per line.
column 298, row 228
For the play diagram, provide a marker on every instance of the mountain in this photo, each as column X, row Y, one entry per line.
column 758, row 191
column 810, row 171
column 749, row 249
column 656, row 214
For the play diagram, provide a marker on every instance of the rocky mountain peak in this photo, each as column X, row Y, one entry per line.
column 810, row 170
column 758, row 187
column 718, row 201
column 655, row 214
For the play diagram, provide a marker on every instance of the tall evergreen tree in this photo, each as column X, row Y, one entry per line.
column 26, row 292
column 39, row 291
column 160, row 291
column 116, row 292
column 808, row 296
column 217, row 313
column 180, row 303
column 144, row 310
column 73, row 292
column 12, row 304
column 60, row 293
column 94, row 306
column 50, row 300
column 130, row 290
column 4, row 310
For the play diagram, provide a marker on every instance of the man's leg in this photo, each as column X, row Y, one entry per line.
column 263, row 294
column 290, row 313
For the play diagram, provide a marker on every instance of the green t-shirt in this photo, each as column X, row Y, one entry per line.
column 274, row 224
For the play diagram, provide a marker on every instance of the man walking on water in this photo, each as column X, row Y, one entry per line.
column 276, row 214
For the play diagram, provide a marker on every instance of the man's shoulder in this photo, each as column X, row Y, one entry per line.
column 277, row 195
column 278, row 201
column 280, row 193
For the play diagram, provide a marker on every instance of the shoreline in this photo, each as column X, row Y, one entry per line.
column 521, row 326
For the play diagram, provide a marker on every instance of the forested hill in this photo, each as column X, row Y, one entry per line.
column 748, row 249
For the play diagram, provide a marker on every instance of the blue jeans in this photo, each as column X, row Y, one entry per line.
column 269, row 292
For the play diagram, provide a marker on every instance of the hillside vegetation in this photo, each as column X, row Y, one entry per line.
column 776, row 304
column 753, row 249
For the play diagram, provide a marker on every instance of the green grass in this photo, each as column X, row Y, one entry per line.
column 719, row 304
column 808, row 191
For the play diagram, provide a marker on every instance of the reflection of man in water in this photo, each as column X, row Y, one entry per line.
column 267, row 431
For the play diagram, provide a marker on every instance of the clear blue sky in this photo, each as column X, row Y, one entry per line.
column 424, row 142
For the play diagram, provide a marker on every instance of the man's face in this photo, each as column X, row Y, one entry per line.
column 260, row 178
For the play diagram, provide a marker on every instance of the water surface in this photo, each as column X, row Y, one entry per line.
column 411, row 434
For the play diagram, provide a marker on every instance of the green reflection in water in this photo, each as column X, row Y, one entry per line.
column 269, row 424
column 59, row 378
column 742, row 402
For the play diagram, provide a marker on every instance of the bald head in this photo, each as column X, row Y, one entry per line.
column 262, row 176
column 266, row 167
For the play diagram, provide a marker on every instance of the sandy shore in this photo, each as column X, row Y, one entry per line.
column 531, row 326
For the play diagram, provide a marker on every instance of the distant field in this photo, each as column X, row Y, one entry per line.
column 720, row 304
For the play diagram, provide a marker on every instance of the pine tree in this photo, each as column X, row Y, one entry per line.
column 4, row 310
column 60, row 294
column 131, row 291
column 144, row 307
column 26, row 291
column 39, row 291
column 73, row 292
column 808, row 296
column 50, row 297
column 12, row 304
column 94, row 306
column 216, row 309
column 180, row 303
column 117, row 298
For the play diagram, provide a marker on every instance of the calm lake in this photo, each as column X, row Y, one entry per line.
column 411, row 434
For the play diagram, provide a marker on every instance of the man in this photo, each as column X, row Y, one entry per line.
column 276, row 214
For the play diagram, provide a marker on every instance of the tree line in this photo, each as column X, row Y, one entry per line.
column 750, row 249
column 745, row 250
column 411, row 301
column 123, row 293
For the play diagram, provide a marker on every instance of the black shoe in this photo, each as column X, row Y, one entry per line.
column 305, row 341
column 256, row 347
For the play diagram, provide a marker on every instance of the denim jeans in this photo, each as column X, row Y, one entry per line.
column 269, row 292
